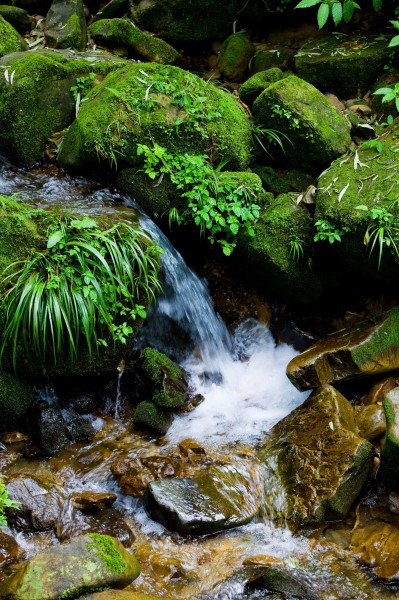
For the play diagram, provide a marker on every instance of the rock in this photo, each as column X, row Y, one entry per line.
column 234, row 57
column 316, row 457
column 318, row 133
column 379, row 390
column 83, row 403
column 66, row 25
column 281, row 227
column 122, row 595
column 367, row 349
column 179, row 21
column 134, row 475
column 18, row 18
column 370, row 422
column 344, row 64
column 165, row 381
column 10, row 40
column 390, row 449
column 256, row 84
column 112, row 10
column 15, row 395
column 215, row 121
column 335, row 101
column 377, row 546
column 123, row 33
column 14, row 437
column 93, row 501
column 10, row 550
column 110, row 522
column 192, row 449
column 33, row 108
column 38, row 504
column 224, row 496
column 149, row 416
column 269, row 56
column 52, row 429
column 68, row 570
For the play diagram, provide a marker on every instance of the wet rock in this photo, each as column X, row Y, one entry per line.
column 165, row 380
column 192, row 449
column 234, row 57
column 377, row 546
column 122, row 595
column 346, row 65
column 80, row 428
column 318, row 133
column 390, row 450
column 10, row 40
column 14, row 437
column 135, row 474
column 93, row 501
column 394, row 503
column 66, row 25
column 223, row 497
column 52, row 429
column 10, row 550
column 110, row 522
column 371, row 422
column 121, row 32
column 84, row 403
column 367, row 349
column 149, row 416
column 379, row 390
column 38, row 505
column 17, row 17
column 257, row 83
column 82, row 565
column 317, row 460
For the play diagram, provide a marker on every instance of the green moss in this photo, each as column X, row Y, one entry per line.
column 390, row 447
column 105, row 548
column 10, row 40
column 15, row 399
column 234, row 56
column 156, row 365
column 383, row 341
column 149, row 416
column 259, row 82
column 17, row 17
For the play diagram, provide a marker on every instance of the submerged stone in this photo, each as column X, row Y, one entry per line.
column 316, row 457
column 221, row 498
column 69, row 570
column 66, row 25
column 370, row 348
column 390, row 449
column 318, row 133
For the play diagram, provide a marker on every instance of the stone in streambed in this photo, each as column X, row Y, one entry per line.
column 371, row 422
column 122, row 595
column 377, row 546
column 390, row 450
column 370, row 348
column 38, row 508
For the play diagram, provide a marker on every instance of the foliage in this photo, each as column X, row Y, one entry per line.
column 388, row 94
column 380, row 232
column 395, row 40
column 327, row 231
column 5, row 502
column 338, row 10
column 287, row 114
column 82, row 85
column 296, row 248
column 376, row 144
column 88, row 283
column 219, row 207
column 266, row 138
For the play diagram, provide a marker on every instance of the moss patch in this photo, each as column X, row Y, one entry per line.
column 105, row 548
column 10, row 40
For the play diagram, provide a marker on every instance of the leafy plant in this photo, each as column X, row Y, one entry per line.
column 380, row 232
column 88, row 284
column 389, row 93
column 218, row 206
column 266, row 138
column 82, row 85
column 5, row 502
column 296, row 248
column 338, row 10
column 286, row 114
column 327, row 231
column 395, row 40
column 376, row 144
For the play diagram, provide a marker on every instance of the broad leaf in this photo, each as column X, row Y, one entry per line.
column 348, row 10
column 55, row 238
column 336, row 12
column 322, row 15
column 307, row 3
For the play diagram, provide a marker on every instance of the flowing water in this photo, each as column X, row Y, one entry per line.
column 241, row 376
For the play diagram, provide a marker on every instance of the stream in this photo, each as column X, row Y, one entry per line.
column 241, row 376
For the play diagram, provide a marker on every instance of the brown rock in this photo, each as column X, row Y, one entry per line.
column 379, row 390
column 371, row 422
column 377, row 546
column 191, row 449
column 93, row 501
column 14, row 437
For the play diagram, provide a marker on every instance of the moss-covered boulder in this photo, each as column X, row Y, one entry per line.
column 345, row 65
column 268, row 56
column 317, row 459
column 10, row 40
column 276, row 257
column 112, row 10
column 224, row 496
column 390, row 449
column 370, row 348
column 17, row 17
column 165, row 380
column 318, row 133
column 186, row 22
column 40, row 102
column 15, row 399
column 69, row 570
column 66, row 25
column 234, row 57
column 146, row 103
column 256, row 84
column 367, row 179
column 148, row 415
column 113, row 33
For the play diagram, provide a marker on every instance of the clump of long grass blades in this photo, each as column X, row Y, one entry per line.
column 87, row 285
column 379, row 233
column 266, row 138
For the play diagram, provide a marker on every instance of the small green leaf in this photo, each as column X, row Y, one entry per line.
column 307, row 3
column 54, row 238
column 336, row 12
column 322, row 14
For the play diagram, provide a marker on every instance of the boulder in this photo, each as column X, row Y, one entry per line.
column 269, row 56
column 10, row 550
column 51, row 427
column 33, row 108
column 66, row 25
column 164, row 380
column 318, row 133
column 90, row 502
column 257, row 83
column 113, row 33
column 344, row 64
column 222, row 497
column 135, row 474
column 148, row 415
column 122, row 595
column 10, row 40
column 377, row 546
column 276, row 257
column 371, row 422
column 69, row 570
column 17, row 17
column 390, row 449
column 316, row 458
column 112, row 10
column 38, row 503
column 368, row 349
column 234, row 57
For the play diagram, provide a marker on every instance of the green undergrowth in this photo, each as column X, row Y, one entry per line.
column 5, row 502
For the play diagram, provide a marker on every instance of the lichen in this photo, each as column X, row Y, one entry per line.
column 105, row 549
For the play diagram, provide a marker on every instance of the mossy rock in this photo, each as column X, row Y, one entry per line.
column 259, row 82
column 15, row 399
column 318, row 133
column 363, row 178
column 186, row 22
column 234, row 57
column 370, row 348
column 113, row 33
column 112, row 10
column 17, row 17
column 40, row 101
column 389, row 471
column 267, row 57
column 10, row 40
column 123, row 595
column 149, row 416
column 66, row 25
column 144, row 103
column 268, row 259
column 165, row 378
column 84, row 564
column 345, row 65
column 315, row 456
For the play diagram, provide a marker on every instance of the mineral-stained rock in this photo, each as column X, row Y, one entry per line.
column 377, row 546
column 93, row 501
column 371, row 422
